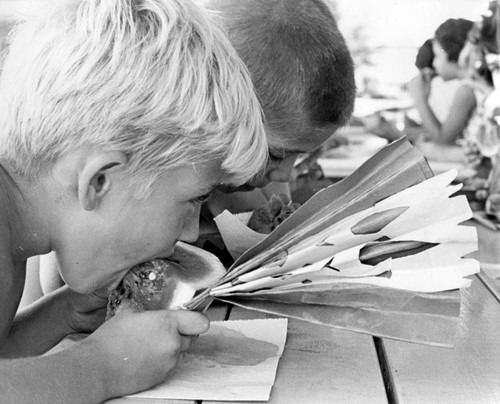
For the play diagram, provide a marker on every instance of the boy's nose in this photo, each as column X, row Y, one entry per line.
column 191, row 229
column 281, row 171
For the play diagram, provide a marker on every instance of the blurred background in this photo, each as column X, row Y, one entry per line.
column 383, row 35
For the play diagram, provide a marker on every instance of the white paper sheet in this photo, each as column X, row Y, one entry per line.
column 233, row 361
column 236, row 235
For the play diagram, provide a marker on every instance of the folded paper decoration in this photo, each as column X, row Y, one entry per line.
column 381, row 252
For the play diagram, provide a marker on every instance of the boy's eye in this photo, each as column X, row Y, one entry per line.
column 201, row 199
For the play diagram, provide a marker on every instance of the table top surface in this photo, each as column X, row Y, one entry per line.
column 323, row 365
column 341, row 161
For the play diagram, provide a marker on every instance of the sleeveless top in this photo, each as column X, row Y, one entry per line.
column 442, row 95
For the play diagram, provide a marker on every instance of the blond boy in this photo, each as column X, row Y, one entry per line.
column 117, row 118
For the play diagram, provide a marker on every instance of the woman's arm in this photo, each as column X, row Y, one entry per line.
column 462, row 107
column 460, row 112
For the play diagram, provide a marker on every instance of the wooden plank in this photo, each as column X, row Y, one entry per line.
column 488, row 253
column 324, row 365
column 492, row 283
column 468, row 373
column 133, row 400
column 216, row 312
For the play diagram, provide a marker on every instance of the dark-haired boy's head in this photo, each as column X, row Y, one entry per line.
column 300, row 66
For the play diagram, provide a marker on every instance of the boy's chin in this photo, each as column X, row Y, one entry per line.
column 97, row 287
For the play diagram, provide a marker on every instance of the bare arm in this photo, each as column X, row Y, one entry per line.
column 41, row 325
column 74, row 376
column 129, row 353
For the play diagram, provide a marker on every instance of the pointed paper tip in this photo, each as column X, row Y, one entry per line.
column 447, row 177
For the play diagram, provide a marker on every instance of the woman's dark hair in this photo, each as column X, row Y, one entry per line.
column 425, row 55
column 452, row 35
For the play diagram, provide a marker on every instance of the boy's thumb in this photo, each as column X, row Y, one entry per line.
column 191, row 322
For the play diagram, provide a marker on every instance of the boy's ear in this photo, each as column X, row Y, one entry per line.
column 94, row 179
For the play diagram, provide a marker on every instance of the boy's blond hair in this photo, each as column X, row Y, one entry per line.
column 156, row 79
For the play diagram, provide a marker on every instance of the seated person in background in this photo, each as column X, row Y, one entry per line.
column 116, row 119
column 442, row 92
column 482, row 37
column 483, row 145
column 475, row 85
column 303, row 75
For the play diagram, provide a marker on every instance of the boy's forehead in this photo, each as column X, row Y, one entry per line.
column 199, row 176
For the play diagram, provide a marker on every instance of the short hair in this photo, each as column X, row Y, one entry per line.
column 425, row 56
column 452, row 35
column 297, row 57
column 156, row 79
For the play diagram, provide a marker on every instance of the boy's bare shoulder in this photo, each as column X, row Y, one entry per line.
column 12, row 273
column 11, row 288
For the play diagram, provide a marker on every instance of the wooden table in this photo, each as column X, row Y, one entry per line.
column 325, row 365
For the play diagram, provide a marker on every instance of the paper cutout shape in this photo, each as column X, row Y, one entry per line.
column 236, row 235
column 389, row 232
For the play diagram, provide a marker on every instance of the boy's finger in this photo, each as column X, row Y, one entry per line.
column 191, row 322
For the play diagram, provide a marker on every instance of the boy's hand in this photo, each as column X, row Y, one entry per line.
column 138, row 350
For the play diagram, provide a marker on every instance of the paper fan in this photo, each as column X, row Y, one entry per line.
column 381, row 252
